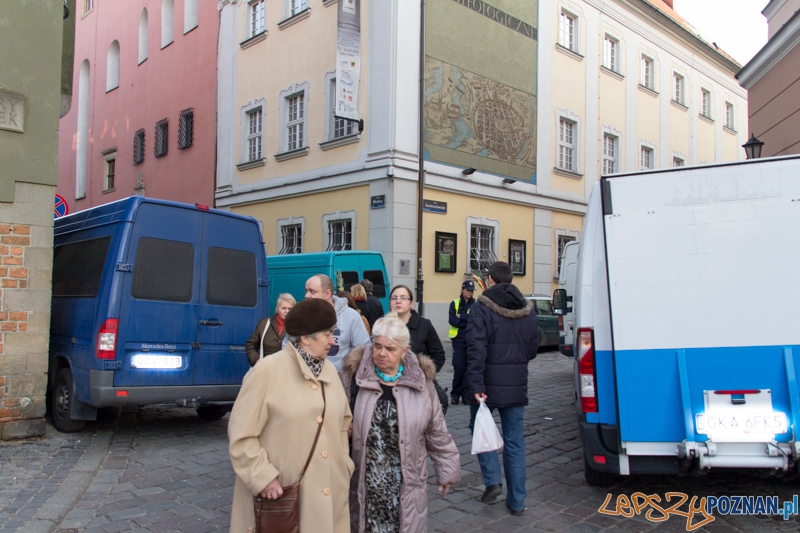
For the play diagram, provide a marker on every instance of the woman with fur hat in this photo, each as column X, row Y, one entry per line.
column 397, row 424
column 274, row 422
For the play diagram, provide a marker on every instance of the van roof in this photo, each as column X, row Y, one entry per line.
column 315, row 258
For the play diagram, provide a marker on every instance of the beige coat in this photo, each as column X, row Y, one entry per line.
column 422, row 432
column 271, row 430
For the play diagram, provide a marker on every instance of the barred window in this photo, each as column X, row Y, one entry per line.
column 138, row 147
column 481, row 250
column 291, row 239
column 162, row 138
column 562, row 241
column 340, row 234
column 186, row 129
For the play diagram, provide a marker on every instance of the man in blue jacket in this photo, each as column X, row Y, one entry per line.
column 458, row 315
column 502, row 337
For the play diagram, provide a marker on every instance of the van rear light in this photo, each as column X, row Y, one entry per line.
column 561, row 323
column 107, row 339
column 587, row 375
column 202, row 207
column 599, row 459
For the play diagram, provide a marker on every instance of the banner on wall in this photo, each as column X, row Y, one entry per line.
column 348, row 58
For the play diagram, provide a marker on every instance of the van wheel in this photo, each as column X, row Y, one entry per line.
column 61, row 403
column 211, row 412
column 595, row 477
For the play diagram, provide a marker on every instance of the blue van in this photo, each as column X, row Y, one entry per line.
column 289, row 273
column 152, row 302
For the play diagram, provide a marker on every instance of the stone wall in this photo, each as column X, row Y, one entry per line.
column 26, row 263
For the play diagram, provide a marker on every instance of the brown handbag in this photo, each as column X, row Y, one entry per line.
column 283, row 515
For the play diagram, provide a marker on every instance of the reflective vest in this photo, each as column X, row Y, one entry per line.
column 453, row 329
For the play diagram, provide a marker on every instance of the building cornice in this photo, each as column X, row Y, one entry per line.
column 772, row 8
column 776, row 49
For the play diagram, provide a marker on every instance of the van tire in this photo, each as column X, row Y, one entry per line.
column 62, row 396
column 211, row 412
column 595, row 477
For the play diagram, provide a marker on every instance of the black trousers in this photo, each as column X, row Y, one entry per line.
column 459, row 368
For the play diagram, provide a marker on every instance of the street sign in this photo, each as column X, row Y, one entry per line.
column 61, row 207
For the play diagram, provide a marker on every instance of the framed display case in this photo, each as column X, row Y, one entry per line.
column 445, row 252
column 516, row 256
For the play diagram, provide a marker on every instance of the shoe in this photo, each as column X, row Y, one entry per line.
column 491, row 493
column 521, row 512
column 453, row 401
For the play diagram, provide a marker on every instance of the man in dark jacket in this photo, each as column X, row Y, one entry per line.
column 502, row 337
column 374, row 306
column 457, row 317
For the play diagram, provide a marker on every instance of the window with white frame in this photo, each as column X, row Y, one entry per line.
column 295, row 122
column 167, row 22
column 296, row 6
column 143, row 36
column 610, row 153
column 561, row 242
column 566, row 144
column 729, row 123
column 339, row 230
column 705, row 103
column 646, row 157
column 678, row 88
column 568, row 30
column 611, row 53
column 678, row 161
column 291, row 239
column 648, row 72
column 112, row 66
column 190, row 15
column 482, row 246
column 293, row 141
column 255, row 134
column 161, row 140
column 110, row 171
column 256, row 12
column 88, row 5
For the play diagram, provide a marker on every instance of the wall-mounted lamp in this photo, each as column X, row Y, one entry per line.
column 468, row 171
column 508, row 181
column 752, row 148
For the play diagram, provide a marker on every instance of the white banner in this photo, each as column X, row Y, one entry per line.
column 348, row 59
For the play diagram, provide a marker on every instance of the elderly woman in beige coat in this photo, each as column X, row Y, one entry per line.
column 397, row 425
column 274, row 421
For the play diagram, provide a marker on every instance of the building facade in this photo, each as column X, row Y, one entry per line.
column 771, row 79
column 524, row 106
column 35, row 85
column 144, row 115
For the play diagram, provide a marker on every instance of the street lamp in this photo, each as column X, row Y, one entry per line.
column 752, row 148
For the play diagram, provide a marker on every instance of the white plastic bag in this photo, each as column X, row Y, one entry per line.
column 485, row 436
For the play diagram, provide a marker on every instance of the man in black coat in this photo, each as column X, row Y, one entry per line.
column 374, row 306
column 502, row 337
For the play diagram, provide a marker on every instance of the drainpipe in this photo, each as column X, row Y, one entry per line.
column 421, row 180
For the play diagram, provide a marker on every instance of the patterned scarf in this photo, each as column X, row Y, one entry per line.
column 314, row 364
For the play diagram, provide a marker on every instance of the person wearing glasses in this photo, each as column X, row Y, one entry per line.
column 424, row 338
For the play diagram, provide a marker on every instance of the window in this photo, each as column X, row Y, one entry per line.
column 88, row 5
column 163, row 270
column 111, row 168
column 482, row 247
column 567, row 31
column 190, row 15
column 291, row 239
column 78, row 267
column 185, row 128
column 705, row 103
column 678, row 161
column 611, row 53
column 167, row 22
column 257, row 10
column 143, row 36
column 295, row 122
column 112, row 67
column 296, row 6
column 729, row 116
column 566, row 144
column 648, row 79
column 255, row 130
column 340, row 235
column 646, row 158
column 678, row 88
column 561, row 242
column 378, row 283
column 138, row 147
column 341, row 127
column 231, row 278
column 161, row 138
column 610, row 153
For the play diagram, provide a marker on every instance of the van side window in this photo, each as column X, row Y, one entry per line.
column 350, row 278
column 78, row 267
column 164, row 270
column 379, row 285
column 231, row 278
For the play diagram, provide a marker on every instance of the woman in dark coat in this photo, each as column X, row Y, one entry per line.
column 273, row 339
column 424, row 338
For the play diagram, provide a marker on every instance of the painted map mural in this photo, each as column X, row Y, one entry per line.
column 475, row 115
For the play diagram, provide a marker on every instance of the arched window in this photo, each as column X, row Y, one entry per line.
column 81, row 144
column 112, row 67
column 189, row 15
column 167, row 22
column 143, row 36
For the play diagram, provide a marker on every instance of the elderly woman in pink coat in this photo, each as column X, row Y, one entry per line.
column 397, row 424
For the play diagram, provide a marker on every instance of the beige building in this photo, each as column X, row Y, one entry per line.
column 525, row 106
column 771, row 79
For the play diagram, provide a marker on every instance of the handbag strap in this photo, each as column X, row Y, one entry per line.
column 261, row 344
column 316, row 437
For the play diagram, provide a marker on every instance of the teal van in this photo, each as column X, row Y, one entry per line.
column 289, row 272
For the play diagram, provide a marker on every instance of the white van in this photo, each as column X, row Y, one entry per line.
column 566, row 281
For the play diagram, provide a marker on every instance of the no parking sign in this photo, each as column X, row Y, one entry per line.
column 61, row 207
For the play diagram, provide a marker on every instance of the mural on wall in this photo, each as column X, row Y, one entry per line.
column 469, row 113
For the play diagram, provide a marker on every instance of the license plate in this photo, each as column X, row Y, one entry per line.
column 772, row 423
column 740, row 416
column 157, row 361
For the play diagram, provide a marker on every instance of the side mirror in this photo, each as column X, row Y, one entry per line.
column 560, row 301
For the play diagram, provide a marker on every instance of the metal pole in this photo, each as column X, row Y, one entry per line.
column 421, row 180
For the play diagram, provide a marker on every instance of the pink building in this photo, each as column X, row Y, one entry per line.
column 143, row 112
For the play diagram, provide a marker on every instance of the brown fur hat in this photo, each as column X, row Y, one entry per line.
column 310, row 316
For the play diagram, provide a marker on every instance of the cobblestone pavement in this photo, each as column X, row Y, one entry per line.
column 160, row 470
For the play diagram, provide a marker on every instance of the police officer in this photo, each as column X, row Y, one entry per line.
column 459, row 312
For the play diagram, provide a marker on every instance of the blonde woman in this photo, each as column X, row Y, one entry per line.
column 273, row 339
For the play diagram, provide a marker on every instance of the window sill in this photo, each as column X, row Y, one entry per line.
column 166, row 45
column 571, row 53
column 648, row 90
column 567, row 173
column 255, row 39
column 704, row 118
column 294, row 19
column 329, row 3
column 112, row 88
column 142, row 61
column 679, row 105
column 106, row 191
column 612, row 73
column 729, row 130
column 284, row 156
column 252, row 164
column 341, row 141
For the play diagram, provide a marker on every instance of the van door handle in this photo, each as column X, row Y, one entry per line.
column 210, row 323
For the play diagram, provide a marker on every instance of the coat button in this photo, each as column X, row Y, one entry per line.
column 324, row 455
column 319, row 420
column 314, row 386
column 326, row 492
